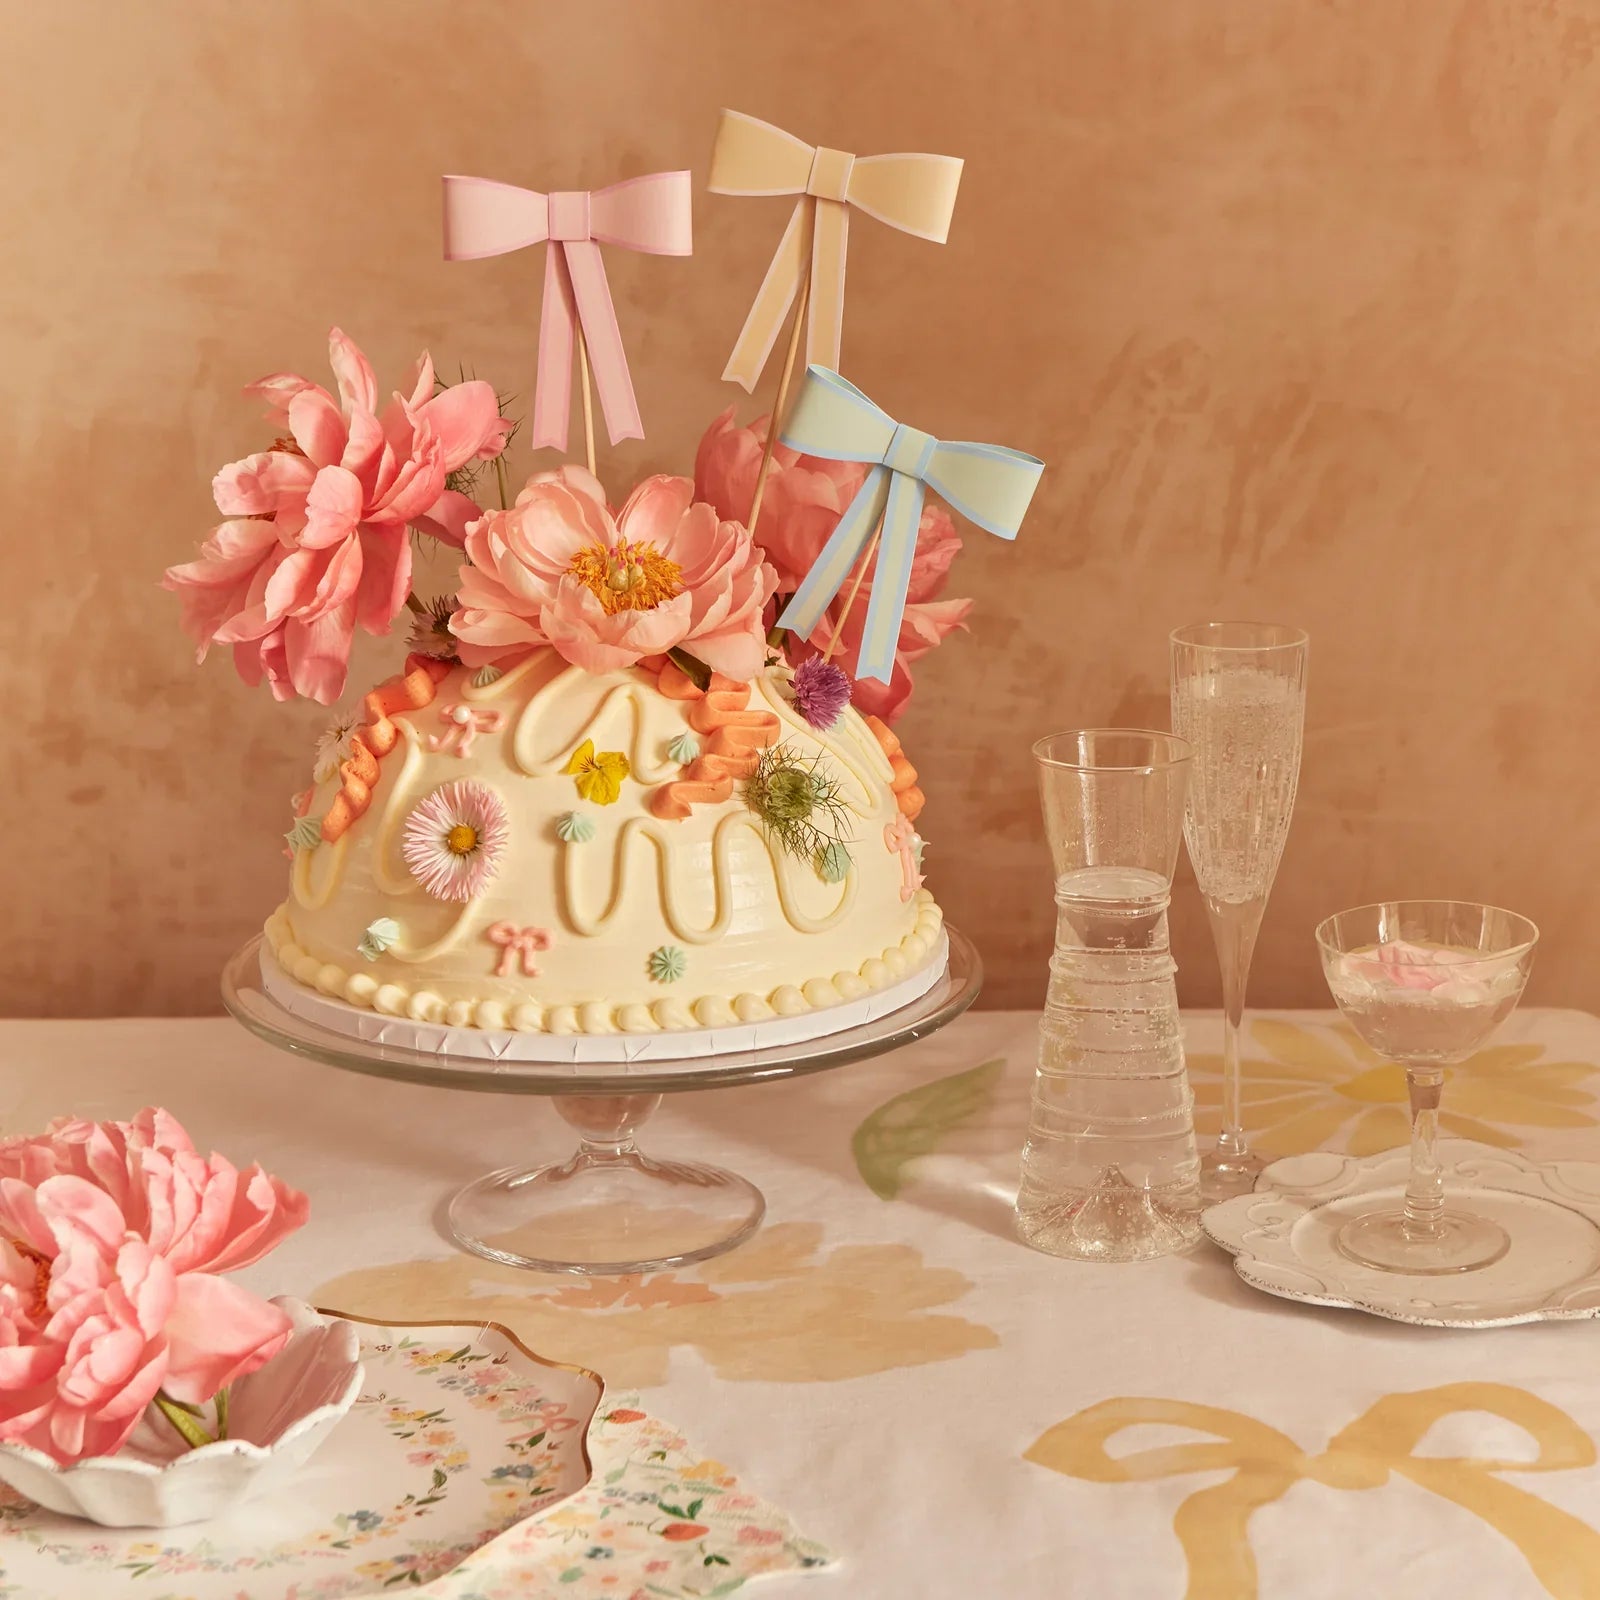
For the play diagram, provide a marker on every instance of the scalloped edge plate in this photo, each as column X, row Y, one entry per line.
column 1281, row 1237
column 460, row 1433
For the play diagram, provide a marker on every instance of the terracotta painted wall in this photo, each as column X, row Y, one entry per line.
column 1299, row 301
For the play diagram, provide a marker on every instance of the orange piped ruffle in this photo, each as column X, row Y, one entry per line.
column 735, row 736
column 377, row 736
column 675, row 683
column 907, row 795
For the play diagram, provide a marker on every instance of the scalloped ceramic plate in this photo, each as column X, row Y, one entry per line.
column 459, row 1432
column 1281, row 1237
column 281, row 1416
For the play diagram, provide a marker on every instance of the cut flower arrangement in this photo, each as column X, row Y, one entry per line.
column 315, row 544
column 568, row 609
column 114, row 1241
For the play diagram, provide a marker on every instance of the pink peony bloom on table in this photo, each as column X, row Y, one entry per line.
column 315, row 543
column 803, row 501
column 607, row 590
column 109, row 1236
column 199, row 1212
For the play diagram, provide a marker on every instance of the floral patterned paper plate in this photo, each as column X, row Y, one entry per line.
column 459, row 1432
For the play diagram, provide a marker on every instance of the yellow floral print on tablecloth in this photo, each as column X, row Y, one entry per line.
column 770, row 1311
column 1310, row 1086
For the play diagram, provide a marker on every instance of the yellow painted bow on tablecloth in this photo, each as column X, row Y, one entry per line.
column 1212, row 1525
column 914, row 193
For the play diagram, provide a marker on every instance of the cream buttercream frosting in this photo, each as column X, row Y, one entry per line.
column 601, row 917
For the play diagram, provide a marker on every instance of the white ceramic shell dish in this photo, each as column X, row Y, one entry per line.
column 277, row 1419
column 1282, row 1236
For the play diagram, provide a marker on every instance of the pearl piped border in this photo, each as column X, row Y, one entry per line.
column 668, row 1014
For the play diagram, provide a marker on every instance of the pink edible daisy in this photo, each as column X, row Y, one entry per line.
column 452, row 840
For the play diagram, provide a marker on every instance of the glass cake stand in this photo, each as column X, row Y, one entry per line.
column 609, row 1208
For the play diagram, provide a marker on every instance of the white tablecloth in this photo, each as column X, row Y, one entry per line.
column 879, row 1359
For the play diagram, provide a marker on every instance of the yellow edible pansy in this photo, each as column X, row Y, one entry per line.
column 599, row 777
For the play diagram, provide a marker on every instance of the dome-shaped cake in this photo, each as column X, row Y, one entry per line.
column 555, row 851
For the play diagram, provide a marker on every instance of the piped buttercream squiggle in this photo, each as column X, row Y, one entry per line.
column 735, row 736
column 387, row 865
column 855, row 750
column 908, row 797
column 375, row 738
column 448, row 940
column 328, row 863
column 632, row 695
column 722, row 881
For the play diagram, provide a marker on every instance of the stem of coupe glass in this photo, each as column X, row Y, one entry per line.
column 1425, row 1185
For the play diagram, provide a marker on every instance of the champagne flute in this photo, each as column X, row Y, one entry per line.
column 1425, row 983
column 1239, row 698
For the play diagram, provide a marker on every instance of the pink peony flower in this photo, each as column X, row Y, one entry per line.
column 199, row 1212
column 803, row 501
column 108, row 1236
column 315, row 542
column 606, row 591
column 804, row 498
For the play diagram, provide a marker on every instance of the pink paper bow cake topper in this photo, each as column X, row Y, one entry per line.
column 650, row 213
column 914, row 193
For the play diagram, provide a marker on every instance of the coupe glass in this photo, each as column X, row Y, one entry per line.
column 1425, row 983
column 1239, row 698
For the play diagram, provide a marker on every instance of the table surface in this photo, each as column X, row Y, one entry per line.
column 882, row 1359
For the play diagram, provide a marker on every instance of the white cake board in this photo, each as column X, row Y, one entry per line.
column 685, row 1050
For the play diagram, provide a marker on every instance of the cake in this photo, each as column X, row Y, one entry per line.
column 625, row 799
column 655, row 893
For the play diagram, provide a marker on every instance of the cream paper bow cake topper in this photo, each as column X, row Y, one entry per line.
column 912, row 192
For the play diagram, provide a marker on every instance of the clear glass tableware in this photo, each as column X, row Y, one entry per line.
column 1239, row 698
column 609, row 1208
column 1109, row 1172
column 1425, row 983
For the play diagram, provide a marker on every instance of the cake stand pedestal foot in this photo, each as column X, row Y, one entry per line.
column 609, row 1209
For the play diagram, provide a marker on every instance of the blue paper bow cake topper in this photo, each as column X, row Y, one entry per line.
column 987, row 483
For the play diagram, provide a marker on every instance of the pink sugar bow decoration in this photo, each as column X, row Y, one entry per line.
column 517, row 945
column 463, row 725
column 112, row 1236
column 650, row 214
column 901, row 838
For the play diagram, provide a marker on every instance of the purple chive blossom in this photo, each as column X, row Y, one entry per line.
column 821, row 692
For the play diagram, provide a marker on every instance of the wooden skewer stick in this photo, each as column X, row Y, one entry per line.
column 855, row 589
column 781, row 404
column 588, row 402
